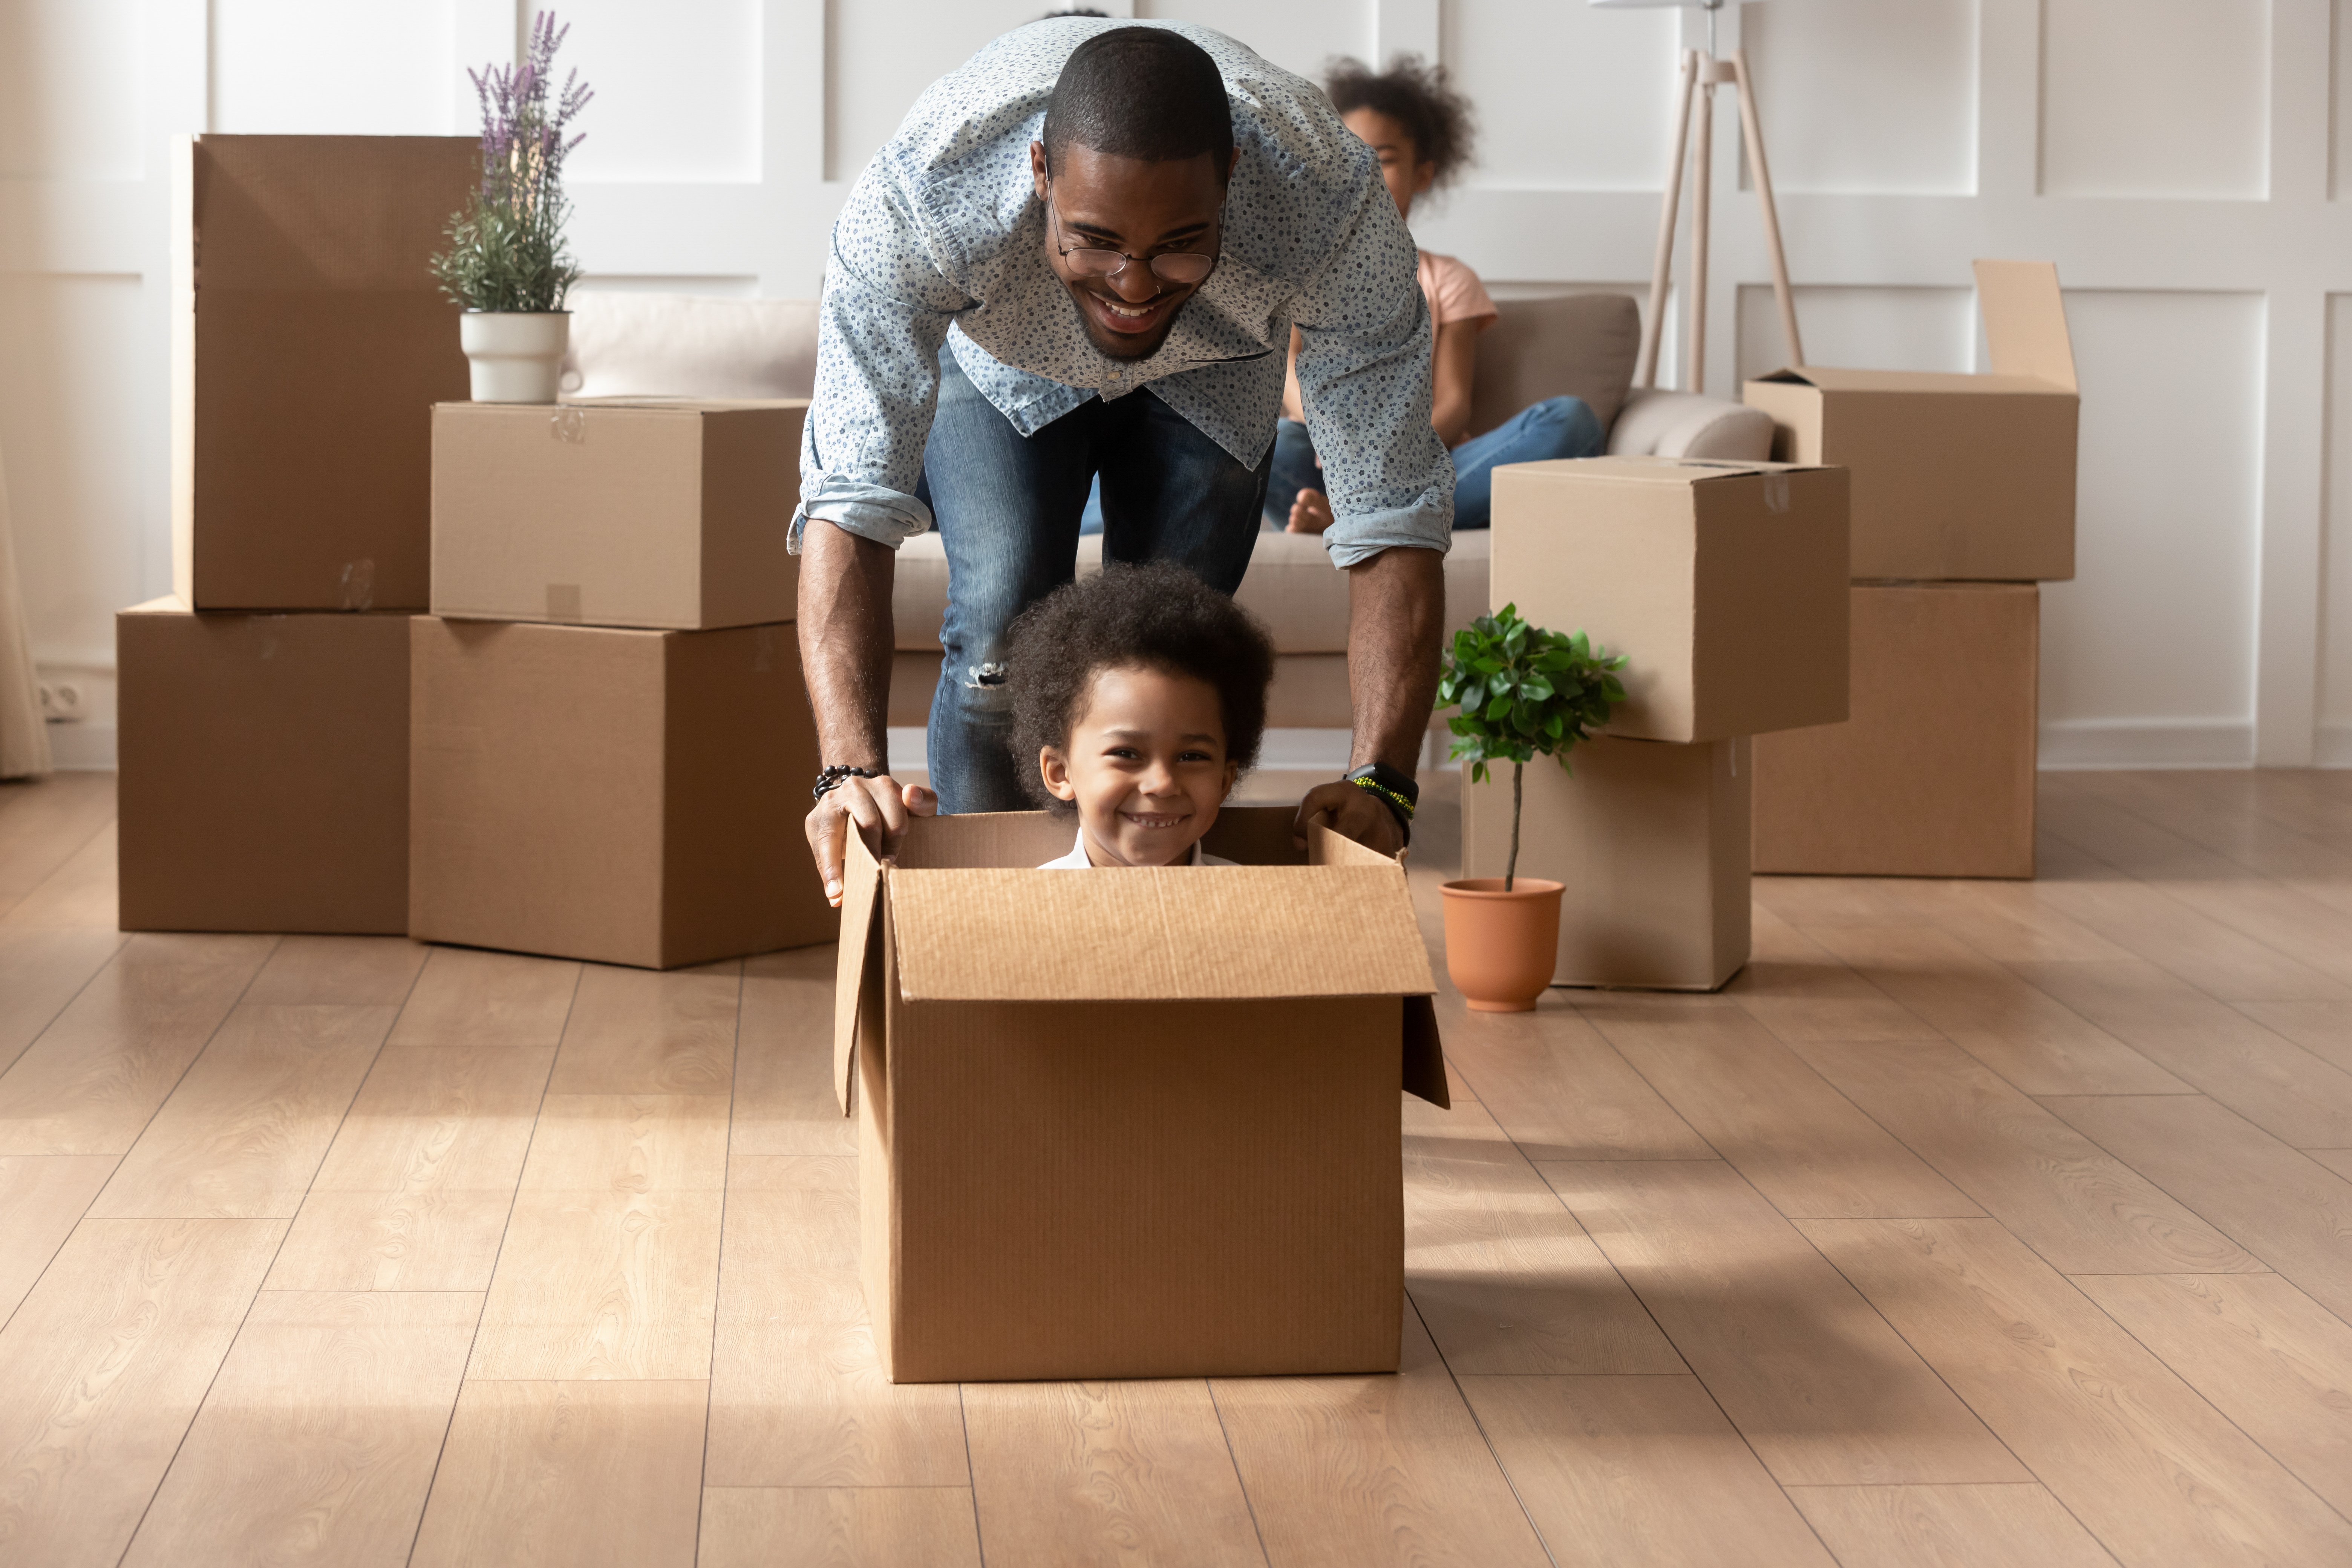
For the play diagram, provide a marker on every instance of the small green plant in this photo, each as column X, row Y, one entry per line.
column 506, row 248
column 1524, row 693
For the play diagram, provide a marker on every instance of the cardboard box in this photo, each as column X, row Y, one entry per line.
column 1933, row 776
column 1955, row 477
column 624, row 796
column 662, row 512
column 264, row 764
column 1133, row 1123
column 1651, row 841
column 1723, row 583
column 309, row 346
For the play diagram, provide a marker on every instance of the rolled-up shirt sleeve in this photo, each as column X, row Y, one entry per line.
column 887, row 305
column 1363, row 382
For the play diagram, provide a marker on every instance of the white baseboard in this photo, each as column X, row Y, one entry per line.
column 2073, row 744
column 2332, row 746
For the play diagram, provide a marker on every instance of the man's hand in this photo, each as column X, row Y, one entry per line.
column 1356, row 813
column 879, row 808
column 1396, row 611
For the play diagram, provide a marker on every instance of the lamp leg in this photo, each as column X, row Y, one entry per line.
column 1752, row 129
column 1654, row 326
column 1700, row 200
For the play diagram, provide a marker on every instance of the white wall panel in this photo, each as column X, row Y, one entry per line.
column 1862, row 96
column 2158, row 627
column 677, row 89
column 882, row 56
column 1569, row 98
column 68, row 110
column 1298, row 35
column 1861, row 329
column 2335, row 592
column 296, row 66
column 2156, row 98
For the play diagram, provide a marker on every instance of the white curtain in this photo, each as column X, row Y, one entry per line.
column 24, row 736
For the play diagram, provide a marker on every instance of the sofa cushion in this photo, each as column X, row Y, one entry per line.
column 689, row 345
column 1575, row 345
column 1657, row 423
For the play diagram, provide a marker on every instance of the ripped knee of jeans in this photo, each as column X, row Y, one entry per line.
column 981, row 677
column 986, row 693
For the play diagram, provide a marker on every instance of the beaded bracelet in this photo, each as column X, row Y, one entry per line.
column 1398, row 805
column 831, row 776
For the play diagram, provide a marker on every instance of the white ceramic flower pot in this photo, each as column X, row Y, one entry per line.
column 515, row 355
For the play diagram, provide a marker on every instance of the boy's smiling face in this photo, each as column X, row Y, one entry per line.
column 1146, row 766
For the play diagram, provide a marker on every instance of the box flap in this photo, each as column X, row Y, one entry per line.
column 1829, row 379
column 1654, row 470
column 2025, row 322
column 858, row 960
column 1171, row 934
column 662, row 404
column 1424, row 1054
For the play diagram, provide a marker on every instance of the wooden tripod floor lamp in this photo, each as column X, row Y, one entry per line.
column 1704, row 70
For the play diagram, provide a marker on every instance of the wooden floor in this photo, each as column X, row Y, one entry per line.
column 1976, row 1224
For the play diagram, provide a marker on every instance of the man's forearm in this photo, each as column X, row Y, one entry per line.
column 1396, row 630
column 845, row 641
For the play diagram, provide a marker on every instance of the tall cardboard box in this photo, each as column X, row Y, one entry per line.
column 662, row 512
column 1651, row 841
column 1955, row 477
column 1130, row 1123
column 1933, row 776
column 1723, row 583
column 625, row 796
column 309, row 346
column 264, row 770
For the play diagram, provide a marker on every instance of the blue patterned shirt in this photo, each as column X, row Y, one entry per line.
column 943, row 239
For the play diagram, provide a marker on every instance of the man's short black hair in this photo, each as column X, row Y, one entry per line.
column 1146, row 93
column 1153, row 616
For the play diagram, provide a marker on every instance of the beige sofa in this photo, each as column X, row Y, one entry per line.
column 1579, row 345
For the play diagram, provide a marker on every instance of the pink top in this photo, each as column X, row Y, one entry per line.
column 1453, row 291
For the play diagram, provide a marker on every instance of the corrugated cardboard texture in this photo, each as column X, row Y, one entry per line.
column 1933, row 776
column 310, row 344
column 1956, row 477
column 624, row 797
column 1650, row 840
column 664, row 513
column 1723, row 583
column 264, row 770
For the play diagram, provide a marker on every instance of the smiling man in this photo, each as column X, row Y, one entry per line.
column 1082, row 255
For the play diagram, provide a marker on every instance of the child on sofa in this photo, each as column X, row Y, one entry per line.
column 1141, row 693
column 1421, row 129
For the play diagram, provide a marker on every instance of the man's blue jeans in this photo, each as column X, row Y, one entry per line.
column 1007, row 507
column 1556, row 427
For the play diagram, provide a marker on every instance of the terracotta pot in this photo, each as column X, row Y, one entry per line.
column 1500, row 948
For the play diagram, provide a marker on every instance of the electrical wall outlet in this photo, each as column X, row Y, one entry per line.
column 63, row 702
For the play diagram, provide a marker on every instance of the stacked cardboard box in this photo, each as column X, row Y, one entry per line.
column 265, row 705
column 1963, row 502
column 611, row 736
column 1724, row 585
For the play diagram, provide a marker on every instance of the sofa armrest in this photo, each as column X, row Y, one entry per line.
column 1655, row 424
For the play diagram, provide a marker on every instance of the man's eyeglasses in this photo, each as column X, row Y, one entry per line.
column 1178, row 267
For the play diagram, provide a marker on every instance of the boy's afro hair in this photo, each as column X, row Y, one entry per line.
column 1417, row 97
column 1157, row 616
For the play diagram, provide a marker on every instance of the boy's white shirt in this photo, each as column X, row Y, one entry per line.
column 1075, row 860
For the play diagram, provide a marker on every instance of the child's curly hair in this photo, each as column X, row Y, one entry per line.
column 1157, row 616
column 1417, row 96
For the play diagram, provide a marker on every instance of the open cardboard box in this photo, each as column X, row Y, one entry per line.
column 624, row 511
column 1130, row 1123
column 1723, row 583
column 1956, row 477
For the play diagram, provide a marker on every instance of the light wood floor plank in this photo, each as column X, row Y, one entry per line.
column 318, row 1440
column 1807, row 1370
column 2265, row 1354
column 2245, row 830
column 1611, row 1469
column 2336, row 1160
column 101, row 1369
column 1799, row 990
column 1506, row 1278
column 92, row 1080
column 1948, row 1527
column 353, row 971
column 797, row 1397
column 466, row 998
column 2021, row 1034
column 1094, row 1472
column 784, row 1102
column 46, row 822
column 2154, row 1471
column 634, row 1031
column 42, row 1198
column 1801, row 1142
column 2291, row 1211
column 568, row 1475
column 438, row 1238
column 244, row 1131
column 1342, row 1471
column 2323, row 1028
column 2216, row 958
column 40, row 971
column 2272, row 1082
column 2075, row 1203
column 79, row 895
column 1558, row 1089
column 838, row 1527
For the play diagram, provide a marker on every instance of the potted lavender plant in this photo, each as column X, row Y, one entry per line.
column 507, row 264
